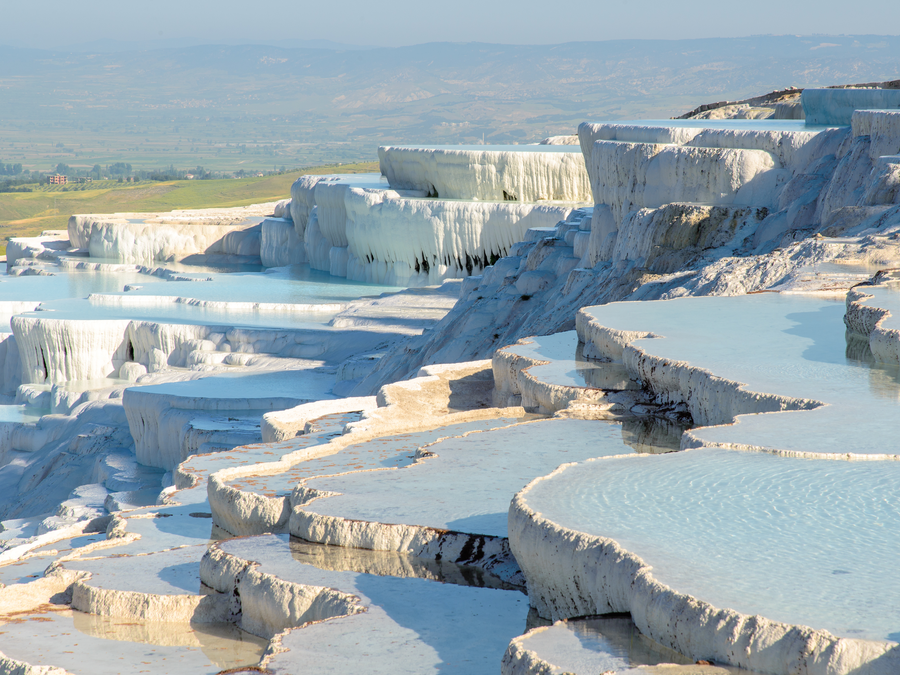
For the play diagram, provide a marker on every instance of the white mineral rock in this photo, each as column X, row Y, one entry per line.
column 514, row 173
column 279, row 244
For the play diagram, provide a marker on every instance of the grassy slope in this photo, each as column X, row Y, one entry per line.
column 24, row 214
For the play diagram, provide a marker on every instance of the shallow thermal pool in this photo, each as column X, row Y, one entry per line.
column 388, row 452
column 567, row 366
column 735, row 124
column 468, row 485
column 84, row 644
column 297, row 284
column 887, row 297
column 66, row 295
column 786, row 344
column 20, row 413
column 289, row 384
column 412, row 625
column 95, row 309
column 802, row 541
column 597, row 645
column 68, row 284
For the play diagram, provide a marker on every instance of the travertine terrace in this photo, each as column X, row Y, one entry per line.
column 622, row 402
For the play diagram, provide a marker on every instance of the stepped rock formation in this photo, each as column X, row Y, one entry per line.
column 402, row 422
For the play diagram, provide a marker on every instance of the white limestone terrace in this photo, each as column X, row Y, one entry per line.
column 731, row 162
column 390, row 624
column 712, row 357
column 523, row 173
column 622, row 534
column 843, row 185
column 873, row 315
column 87, row 339
column 364, row 230
column 549, row 373
column 176, row 235
column 837, row 106
column 603, row 644
column 359, row 227
column 414, row 241
column 476, row 473
column 839, row 184
column 305, row 189
column 720, row 552
column 149, row 578
column 157, row 414
column 67, row 364
column 387, row 452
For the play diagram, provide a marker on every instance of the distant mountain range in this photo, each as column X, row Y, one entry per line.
column 308, row 101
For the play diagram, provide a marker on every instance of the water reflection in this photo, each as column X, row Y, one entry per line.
column 392, row 564
column 224, row 644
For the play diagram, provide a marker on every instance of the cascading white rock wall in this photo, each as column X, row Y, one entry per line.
column 331, row 197
column 791, row 147
column 304, row 198
column 780, row 171
column 159, row 423
column 629, row 176
column 318, row 248
column 883, row 129
column 866, row 180
column 113, row 237
column 396, row 240
column 837, row 106
column 65, row 350
column 280, row 244
column 666, row 238
column 10, row 365
column 56, row 351
column 489, row 174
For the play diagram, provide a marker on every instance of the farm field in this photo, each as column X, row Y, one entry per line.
column 48, row 207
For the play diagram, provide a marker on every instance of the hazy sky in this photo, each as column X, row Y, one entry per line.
column 57, row 23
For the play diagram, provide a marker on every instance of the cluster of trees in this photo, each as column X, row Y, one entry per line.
column 119, row 169
column 13, row 177
column 10, row 169
column 123, row 170
column 171, row 173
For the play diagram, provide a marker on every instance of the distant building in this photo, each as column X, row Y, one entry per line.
column 57, row 179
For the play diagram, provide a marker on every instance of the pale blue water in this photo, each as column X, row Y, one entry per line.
column 74, row 284
column 886, row 297
column 66, row 295
column 803, row 541
column 388, row 452
column 567, row 367
column 180, row 313
column 20, row 413
column 412, row 624
column 792, row 345
column 468, row 486
column 358, row 180
column 598, row 645
column 735, row 124
column 298, row 284
column 298, row 384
